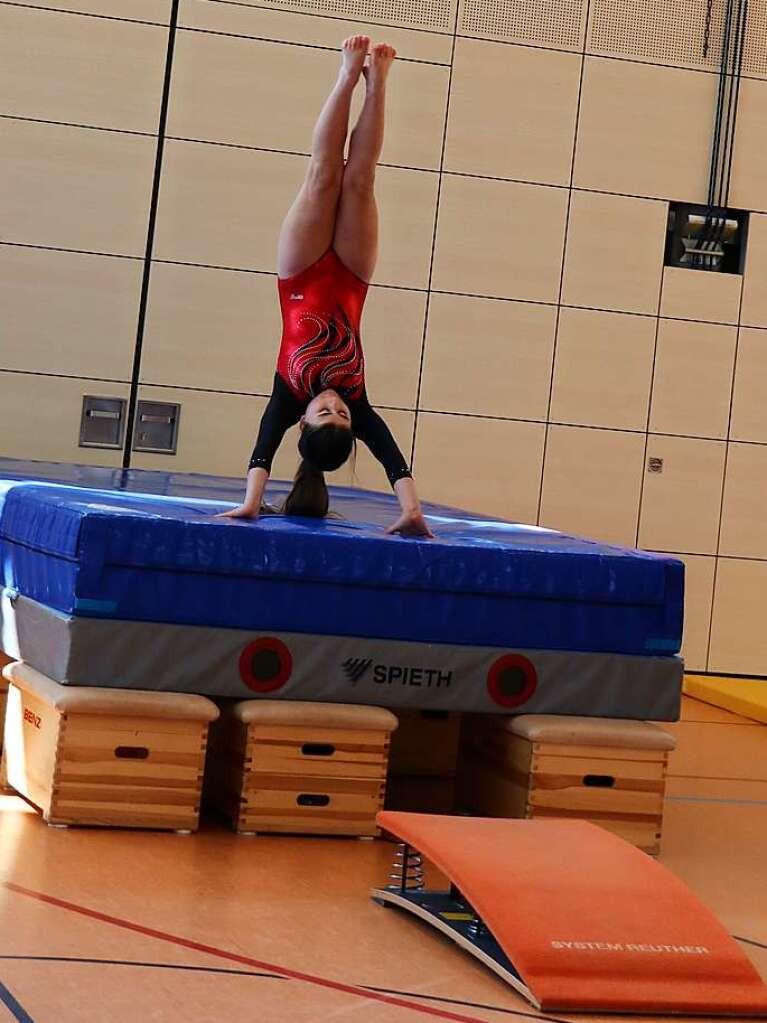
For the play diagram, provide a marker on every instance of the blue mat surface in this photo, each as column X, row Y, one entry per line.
column 146, row 546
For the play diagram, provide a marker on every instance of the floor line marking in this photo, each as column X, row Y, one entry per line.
column 12, row 1005
column 224, row 971
column 88, row 961
column 750, row 941
column 279, row 973
column 234, row 957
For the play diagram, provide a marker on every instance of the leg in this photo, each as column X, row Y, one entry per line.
column 356, row 236
column 307, row 231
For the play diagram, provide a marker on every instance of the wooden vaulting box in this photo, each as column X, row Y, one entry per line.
column 306, row 768
column 105, row 756
column 607, row 771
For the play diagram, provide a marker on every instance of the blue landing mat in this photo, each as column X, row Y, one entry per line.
column 145, row 546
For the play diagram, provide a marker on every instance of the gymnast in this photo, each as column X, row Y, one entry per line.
column 326, row 256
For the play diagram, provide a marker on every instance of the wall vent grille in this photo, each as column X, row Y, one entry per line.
column 672, row 32
column 560, row 24
column 437, row 15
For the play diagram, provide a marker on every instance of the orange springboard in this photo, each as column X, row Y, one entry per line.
column 588, row 921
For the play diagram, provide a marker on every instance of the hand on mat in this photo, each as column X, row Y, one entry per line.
column 243, row 511
column 411, row 523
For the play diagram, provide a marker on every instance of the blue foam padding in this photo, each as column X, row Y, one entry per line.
column 138, row 545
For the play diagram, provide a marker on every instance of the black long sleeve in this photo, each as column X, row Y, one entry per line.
column 373, row 431
column 283, row 411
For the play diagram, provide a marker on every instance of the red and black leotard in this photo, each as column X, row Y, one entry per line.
column 320, row 350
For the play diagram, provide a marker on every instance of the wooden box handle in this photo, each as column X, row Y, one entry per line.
column 131, row 752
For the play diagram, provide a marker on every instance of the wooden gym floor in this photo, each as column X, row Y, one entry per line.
column 124, row 926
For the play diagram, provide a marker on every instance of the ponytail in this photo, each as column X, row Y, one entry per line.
column 322, row 449
column 309, row 496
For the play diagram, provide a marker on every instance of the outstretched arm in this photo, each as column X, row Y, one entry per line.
column 374, row 432
column 282, row 412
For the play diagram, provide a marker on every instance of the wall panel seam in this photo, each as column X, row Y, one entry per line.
column 562, row 266
column 643, row 469
column 79, row 252
column 268, row 273
column 63, row 376
column 292, row 42
column 283, row 152
column 728, row 442
column 73, row 124
column 435, row 230
column 83, row 14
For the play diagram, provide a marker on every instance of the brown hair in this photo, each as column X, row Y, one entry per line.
column 322, row 449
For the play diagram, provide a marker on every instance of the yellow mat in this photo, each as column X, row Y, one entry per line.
column 744, row 696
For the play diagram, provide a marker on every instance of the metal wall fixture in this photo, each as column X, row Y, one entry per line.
column 712, row 237
column 706, row 238
column 102, row 422
column 156, row 430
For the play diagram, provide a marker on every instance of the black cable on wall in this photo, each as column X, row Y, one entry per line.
column 725, row 119
column 136, row 370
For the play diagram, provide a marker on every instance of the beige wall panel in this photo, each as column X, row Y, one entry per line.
column 749, row 405
column 367, row 472
column 364, row 471
column 754, row 309
column 591, row 483
column 485, row 239
column 512, row 112
column 561, row 25
column 738, row 635
column 488, row 357
column 744, row 514
column 392, row 337
column 693, row 378
column 199, row 221
column 40, row 418
column 291, row 27
column 698, row 594
column 645, row 130
column 74, row 188
column 213, row 329
column 748, row 188
column 695, row 295
column 680, row 505
column 614, row 257
column 84, row 70
column 64, row 312
column 407, row 202
column 485, row 465
column 603, row 369
column 132, row 10
column 224, row 91
column 216, row 432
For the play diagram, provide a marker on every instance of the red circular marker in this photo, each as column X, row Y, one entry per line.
column 265, row 665
column 512, row 680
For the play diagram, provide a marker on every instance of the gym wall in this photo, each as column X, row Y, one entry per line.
column 522, row 337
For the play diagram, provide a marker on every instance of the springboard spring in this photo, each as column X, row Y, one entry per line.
column 407, row 869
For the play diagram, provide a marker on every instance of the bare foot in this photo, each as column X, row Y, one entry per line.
column 381, row 58
column 355, row 51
